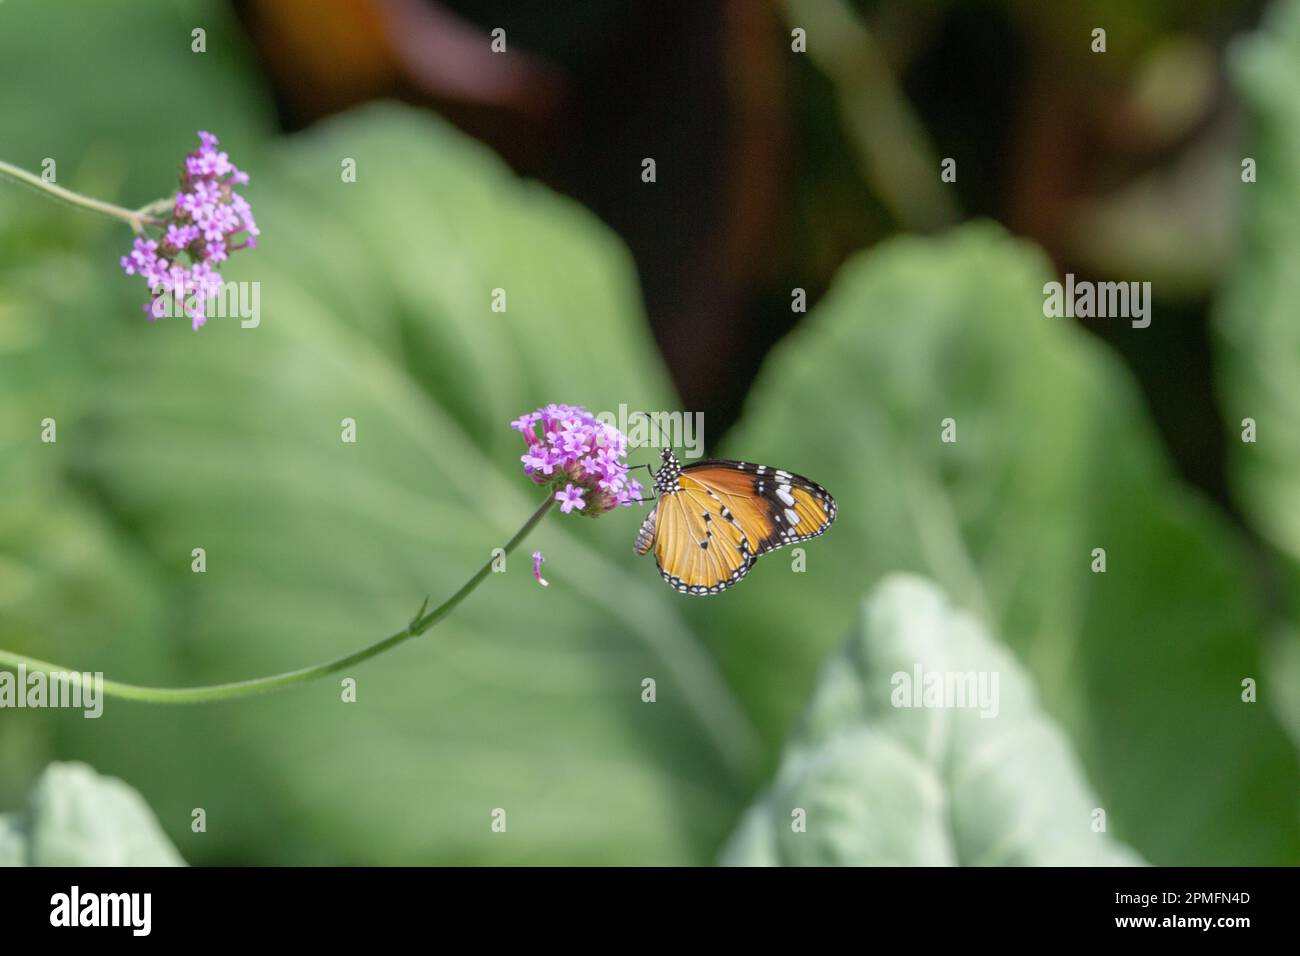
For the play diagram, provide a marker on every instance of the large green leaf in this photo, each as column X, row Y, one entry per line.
column 1054, row 457
column 983, row 778
column 75, row 817
column 376, row 306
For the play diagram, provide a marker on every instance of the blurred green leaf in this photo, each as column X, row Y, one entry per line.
column 75, row 817
column 375, row 301
column 113, row 94
column 1259, row 337
column 883, row 784
column 13, row 852
column 375, row 306
column 1258, row 345
column 1054, row 457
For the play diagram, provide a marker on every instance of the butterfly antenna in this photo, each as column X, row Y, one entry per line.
column 659, row 435
column 658, row 430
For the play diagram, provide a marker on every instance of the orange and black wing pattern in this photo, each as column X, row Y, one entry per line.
column 715, row 518
column 774, row 507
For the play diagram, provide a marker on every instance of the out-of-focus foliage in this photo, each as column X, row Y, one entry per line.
column 1054, row 458
column 115, row 108
column 113, row 92
column 375, row 300
column 1259, row 332
column 376, row 307
column 75, row 817
column 882, row 784
column 1259, row 346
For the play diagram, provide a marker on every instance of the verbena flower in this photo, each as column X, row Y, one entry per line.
column 208, row 222
column 537, row 569
column 570, row 498
column 579, row 458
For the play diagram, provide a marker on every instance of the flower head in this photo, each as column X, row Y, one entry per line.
column 208, row 222
column 577, row 456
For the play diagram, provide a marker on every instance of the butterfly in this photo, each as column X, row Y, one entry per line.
column 714, row 518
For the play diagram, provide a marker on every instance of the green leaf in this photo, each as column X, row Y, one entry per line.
column 117, row 98
column 75, row 817
column 13, row 852
column 96, row 107
column 1259, row 337
column 878, row 781
column 94, row 110
column 1054, row 458
column 375, row 300
column 375, row 306
column 1258, row 343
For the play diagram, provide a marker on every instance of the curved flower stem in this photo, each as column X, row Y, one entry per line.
column 137, row 219
column 260, row 685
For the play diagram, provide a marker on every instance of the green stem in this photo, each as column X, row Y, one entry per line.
column 137, row 219
column 260, row 685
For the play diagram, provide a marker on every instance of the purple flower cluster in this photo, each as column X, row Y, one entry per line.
column 579, row 457
column 208, row 221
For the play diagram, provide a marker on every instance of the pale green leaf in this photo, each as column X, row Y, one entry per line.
column 75, row 817
column 867, row 778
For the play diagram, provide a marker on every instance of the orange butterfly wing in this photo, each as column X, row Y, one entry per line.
column 775, row 507
column 724, row 514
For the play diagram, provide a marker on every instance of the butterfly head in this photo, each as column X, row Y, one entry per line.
column 666, row 477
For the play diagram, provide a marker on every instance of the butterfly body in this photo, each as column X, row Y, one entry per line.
column 715, row 518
